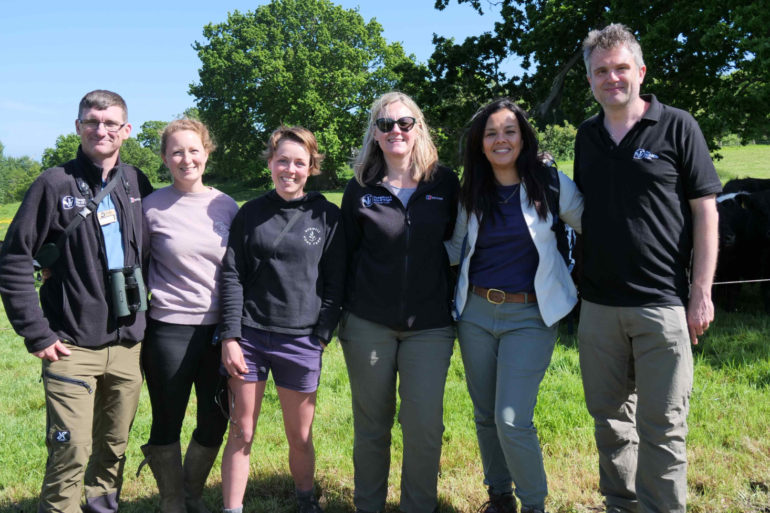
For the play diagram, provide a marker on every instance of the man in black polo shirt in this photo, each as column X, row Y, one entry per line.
column 649, row 187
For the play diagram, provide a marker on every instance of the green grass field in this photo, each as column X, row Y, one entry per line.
column 729, row 446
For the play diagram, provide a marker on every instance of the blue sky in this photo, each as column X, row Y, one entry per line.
column 53, row 52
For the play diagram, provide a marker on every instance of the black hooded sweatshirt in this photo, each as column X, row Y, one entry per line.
column 294, row 287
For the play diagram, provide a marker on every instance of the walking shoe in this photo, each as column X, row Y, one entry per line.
column 309, row 505
column 499, row 503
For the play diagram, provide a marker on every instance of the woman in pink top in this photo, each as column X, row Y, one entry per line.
column 188, row 224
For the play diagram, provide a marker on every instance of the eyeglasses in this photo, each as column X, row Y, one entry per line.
column 385, row 125
column 93, row 125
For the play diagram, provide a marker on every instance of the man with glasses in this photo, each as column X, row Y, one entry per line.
column 649, row 254
column 87, row 326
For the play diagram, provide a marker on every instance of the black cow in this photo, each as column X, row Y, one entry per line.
column 746, row 185
column 758, row 205
column 734, row 242
column 744, row 231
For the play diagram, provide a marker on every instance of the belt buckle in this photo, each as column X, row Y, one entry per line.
column 496, row 302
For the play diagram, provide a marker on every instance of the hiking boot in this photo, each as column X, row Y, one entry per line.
column 309, row 505
column 499, row 503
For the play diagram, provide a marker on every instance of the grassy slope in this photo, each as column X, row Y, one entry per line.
column 728, row 444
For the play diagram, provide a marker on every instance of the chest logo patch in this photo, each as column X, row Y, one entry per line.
column 68, row 202
column 431, row 197
column 312, row 236
column 221, row 229
column 370, row 199
column 642, row 154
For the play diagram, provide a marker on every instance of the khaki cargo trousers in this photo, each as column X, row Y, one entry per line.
column 91, row 398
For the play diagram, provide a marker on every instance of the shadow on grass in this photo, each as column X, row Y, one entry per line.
column 264, row 494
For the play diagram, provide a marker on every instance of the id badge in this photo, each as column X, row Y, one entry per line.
column 107, row 217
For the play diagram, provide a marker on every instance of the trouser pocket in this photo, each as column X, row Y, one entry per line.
column 73, row 381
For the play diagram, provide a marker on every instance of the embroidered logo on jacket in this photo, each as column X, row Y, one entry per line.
column 312, row 236
column 61, row 436
column 68, row 202
column 370, row 199
column 642, row 154
column 430, row 197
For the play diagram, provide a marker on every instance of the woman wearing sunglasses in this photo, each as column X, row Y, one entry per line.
column 513, row 288
column 396, row 324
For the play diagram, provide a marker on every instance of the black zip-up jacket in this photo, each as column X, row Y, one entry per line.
column 295, row 287
column 76, row 303
column 398, row 270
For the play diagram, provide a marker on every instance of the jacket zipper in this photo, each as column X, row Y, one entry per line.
column 71, row 381
column 405, row 281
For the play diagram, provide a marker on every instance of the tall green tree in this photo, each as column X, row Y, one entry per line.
column 65, row 149
column 149, row 135
column 710, row 57
column 134, row 153
column 305, row 62
column 16, row 175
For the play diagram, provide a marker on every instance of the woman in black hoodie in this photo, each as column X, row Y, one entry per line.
column 282, row 286
column 397, row 212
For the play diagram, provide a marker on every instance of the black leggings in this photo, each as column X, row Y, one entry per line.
column 174, row 357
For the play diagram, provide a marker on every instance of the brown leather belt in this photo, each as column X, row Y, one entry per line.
column 498, row 297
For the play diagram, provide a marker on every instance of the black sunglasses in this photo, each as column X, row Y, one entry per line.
column 386, row 124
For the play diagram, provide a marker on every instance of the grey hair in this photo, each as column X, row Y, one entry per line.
column 102, row 99
column 615, row 34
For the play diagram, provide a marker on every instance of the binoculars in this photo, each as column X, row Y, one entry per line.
column 129, row 294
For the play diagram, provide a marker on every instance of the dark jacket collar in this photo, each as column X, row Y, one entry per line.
column 93, row 173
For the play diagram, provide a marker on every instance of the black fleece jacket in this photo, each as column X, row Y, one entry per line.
column 297, row 287
column 76, row 305
column 398, row 270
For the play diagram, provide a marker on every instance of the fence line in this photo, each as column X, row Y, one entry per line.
column 740, row 281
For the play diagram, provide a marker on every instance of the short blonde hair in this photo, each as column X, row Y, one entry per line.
column 299, row 135
column 370, row 162
column 187, row 124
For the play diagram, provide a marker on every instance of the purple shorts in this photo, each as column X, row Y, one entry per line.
column 294, row 359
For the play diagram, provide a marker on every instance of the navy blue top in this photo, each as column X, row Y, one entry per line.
column 505, row 257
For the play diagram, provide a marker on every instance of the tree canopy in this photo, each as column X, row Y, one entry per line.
column 16, row 175
column 711, row 58
column 64, row 150
column 293, row 62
